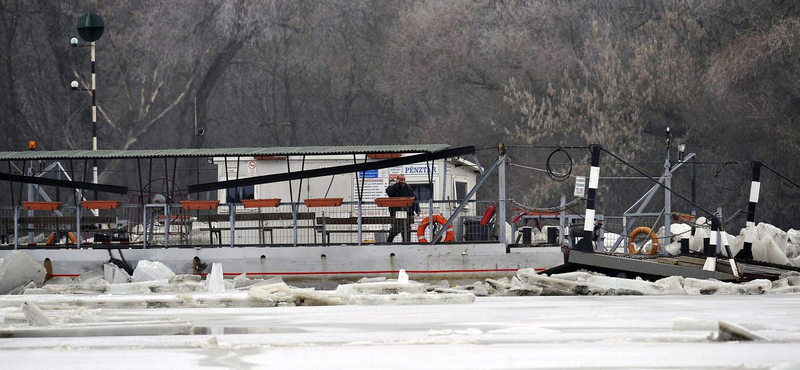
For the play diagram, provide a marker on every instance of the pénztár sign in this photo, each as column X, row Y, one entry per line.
column 419, row 169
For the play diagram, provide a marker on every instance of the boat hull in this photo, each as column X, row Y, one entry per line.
column 319, row 265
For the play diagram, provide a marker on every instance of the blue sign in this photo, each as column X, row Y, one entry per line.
column 369, row 174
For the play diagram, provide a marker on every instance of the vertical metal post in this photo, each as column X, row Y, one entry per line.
column 232, row 220
column 358, row 219
column 667, row 196
column 719, row 232
column 16, row 227
column 694, row 193
column 501, row 201
column 166, row 223
column 360, row 193
column 295, row 206
column 586, row 245
column 78, row 218
column 755, row 189
column 562, row 219
column 144, row 227
column 94, row 119
column 30, row 199
column 711, row 251
column 443, row 178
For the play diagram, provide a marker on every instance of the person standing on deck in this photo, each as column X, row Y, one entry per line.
column 400, row 189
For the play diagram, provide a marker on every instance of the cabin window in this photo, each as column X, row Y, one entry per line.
column 423, row 192
column 235, row 195
column 461, row 190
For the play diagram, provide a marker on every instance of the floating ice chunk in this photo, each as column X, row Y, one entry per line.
column 270, row 281
column 700, row 286
column 215, row 281
column 404, row 299
column 689, row 324
column 784, row 290
column 385, row 287
column 372, row 280
column 645, row 287
column 165, row 327
column 696, row 242
column 90, row 277
column 402, row 277
column 240, row 277
column 673, row 249
column 34, row 291
column 530, row 291
column 671, row 285
column 35, row 315
column 59, row 280
column 551, row 286
column 777, row 235
column 729, row 331
column 793, row 243
column 677, row 232
column 115, row 275
column 17, row 269
column 141, row 287
column 315, row 298
column 477, row 288
column 573, row 276
column 499, row 285
column 151, row 270
column 765, row 249
column 185, row 279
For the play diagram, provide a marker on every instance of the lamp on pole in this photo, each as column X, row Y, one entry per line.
column 90, row 29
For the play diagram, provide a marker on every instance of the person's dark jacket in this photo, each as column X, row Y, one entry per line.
column 395, row 190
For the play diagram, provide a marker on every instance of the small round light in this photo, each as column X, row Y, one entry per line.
column 73, row 41
column 74, row 85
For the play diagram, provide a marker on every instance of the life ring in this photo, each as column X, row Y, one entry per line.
column 646, row 230
column 51, row 240
column 448, row 237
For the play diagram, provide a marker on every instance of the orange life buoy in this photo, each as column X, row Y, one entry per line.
column 639, row 230
column 448, row 237
column 51, row 240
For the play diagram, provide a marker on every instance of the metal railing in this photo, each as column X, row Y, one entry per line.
column 231, row 224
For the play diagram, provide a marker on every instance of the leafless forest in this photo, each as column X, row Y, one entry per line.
column 722, row 74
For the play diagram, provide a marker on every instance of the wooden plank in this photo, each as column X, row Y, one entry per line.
column 668, row 261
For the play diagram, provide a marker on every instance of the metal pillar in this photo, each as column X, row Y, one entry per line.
column 501, row 204
column 94, row 118
column 755, row 188
column 586, row 245
column 562, row 219
column 667, row 196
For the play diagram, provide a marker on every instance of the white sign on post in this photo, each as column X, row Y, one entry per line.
column 580, row 186
column 252, row 168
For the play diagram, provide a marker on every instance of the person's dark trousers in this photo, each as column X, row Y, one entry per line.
column 399, row 227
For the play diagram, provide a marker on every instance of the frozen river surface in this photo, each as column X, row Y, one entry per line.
column 609, row 332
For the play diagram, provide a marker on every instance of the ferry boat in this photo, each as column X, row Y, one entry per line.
column 311, row 215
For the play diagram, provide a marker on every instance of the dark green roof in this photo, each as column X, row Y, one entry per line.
column 222, row 152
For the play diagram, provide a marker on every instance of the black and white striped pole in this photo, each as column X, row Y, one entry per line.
column 90, row 29
column 586, row 245
column 749, row 234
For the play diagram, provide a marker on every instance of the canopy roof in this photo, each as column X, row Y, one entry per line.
column 221, row 152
